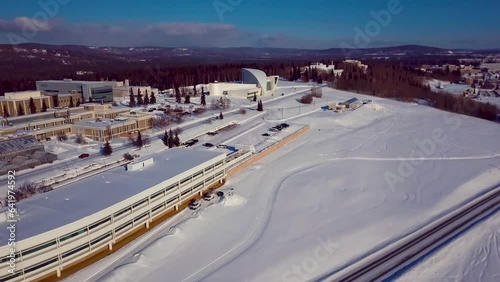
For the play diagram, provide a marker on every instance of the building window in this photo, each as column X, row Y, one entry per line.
column 71, row 235
column 75, row 250
column 123, row 226
column 40, row 265
column 100, row 222
column 157, row 194
column 39, row 248
column 183, row 181
column 171, row 187
column 100, row 239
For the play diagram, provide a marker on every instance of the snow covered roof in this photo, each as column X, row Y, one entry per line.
column 87, row 196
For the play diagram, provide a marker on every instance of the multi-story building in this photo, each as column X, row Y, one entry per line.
column 89, row 90
column 12, row 102
column 89, row 217
column 104, row 129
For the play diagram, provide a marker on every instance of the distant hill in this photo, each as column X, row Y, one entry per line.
column 39, row 58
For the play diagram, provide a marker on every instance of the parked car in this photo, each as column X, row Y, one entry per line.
column 212, row 133
column 266, row 134
column 274, row 129
column 83, row 156
column 284, row 125
column 194, row 205
column 222, row 146
column 208, row 196
column 208, row 145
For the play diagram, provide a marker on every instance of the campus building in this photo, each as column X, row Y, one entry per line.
column 104, row 129
column 88, row 90
column 254, row 83
column 12, row 101
column 92, row 215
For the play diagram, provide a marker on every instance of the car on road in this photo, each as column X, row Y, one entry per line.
column 222, row 146
column 284, row 125
column 208, row 196
column 266, row 134
column 194, row 205
column 212, row 133
column 83, row 156
column 208, row 145
column 274, row 129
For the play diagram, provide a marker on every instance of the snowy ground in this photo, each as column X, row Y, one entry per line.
column 356, row 182
column 472, row 256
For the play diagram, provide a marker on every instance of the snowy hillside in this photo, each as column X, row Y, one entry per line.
column 356, row 182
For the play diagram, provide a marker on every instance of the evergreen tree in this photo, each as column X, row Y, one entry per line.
column 131, row 98
column 203, row 99
column 71, row 103
column 146, row 97
column 5, row 111
column 221, row 116
column 32, row 106
column 171, row 141
column 91, row 100
column 255, row 97
column 194, row 91
column 152, row 99
column 139, row 98
column 260, row 107
column 107, row 149
column 138, row 141
column 187, row 99
column 177, row 141
column 44, row 106
column 165, row 138
column 78, row 103
column 177, row 94
column 20, row 110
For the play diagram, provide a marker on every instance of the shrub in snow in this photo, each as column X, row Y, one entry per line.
column 306, row 99
column 128, row 156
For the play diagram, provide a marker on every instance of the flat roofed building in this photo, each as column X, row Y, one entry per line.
column 96, row 90
column 90, row 215
column 104, row 129
column 12, row 101
column 234, row 90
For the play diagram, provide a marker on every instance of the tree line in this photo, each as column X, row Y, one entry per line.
column 407, row 84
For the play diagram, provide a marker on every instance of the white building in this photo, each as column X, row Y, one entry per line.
column 69, row 225
column 254, row 82
column 326, row 68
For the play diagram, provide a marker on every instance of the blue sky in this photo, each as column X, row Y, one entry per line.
column 255, row 23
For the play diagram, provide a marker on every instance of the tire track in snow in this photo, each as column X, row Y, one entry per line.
column 257, row 231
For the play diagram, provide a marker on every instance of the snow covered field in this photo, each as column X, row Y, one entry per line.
column 473, row 256
column 356, row 182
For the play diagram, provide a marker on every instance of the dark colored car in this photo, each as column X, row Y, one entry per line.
column 83, row 156
column 208, row 145
column 212, row 133
column 194, row 204
column 284, row 125
column 266, row 134
column 220, row 194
